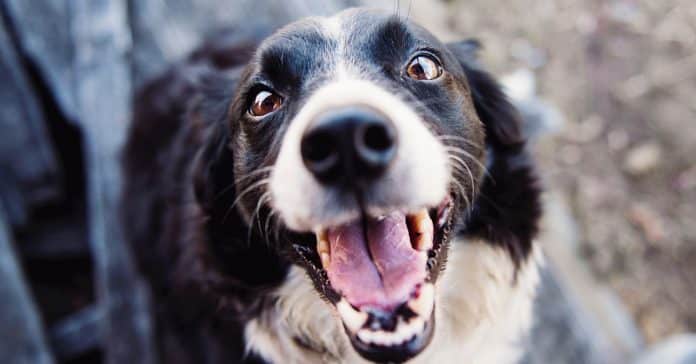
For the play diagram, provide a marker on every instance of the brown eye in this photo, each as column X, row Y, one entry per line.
column 265, row 102
column 424, row 68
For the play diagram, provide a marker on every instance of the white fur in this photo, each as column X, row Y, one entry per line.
column 417, row 178
column 482, row 314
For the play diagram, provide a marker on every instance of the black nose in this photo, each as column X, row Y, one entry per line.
column 349, row 145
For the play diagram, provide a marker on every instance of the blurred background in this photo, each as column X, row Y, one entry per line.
column 606, row 88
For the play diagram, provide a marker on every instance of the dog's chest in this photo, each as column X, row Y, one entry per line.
column 482, row 313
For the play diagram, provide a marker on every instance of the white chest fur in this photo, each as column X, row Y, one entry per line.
column 482, row 314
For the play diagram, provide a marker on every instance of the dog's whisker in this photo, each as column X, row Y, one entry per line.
column 461, row 188
column 265, row 197
column 468, row 170
column 254, row 173
column 250, row 188
column 464, row 153
column 266, row 225
column 241, row 179
column 462, row 191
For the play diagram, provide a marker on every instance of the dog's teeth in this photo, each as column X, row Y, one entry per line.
column 416, row 325
column 404, row 332
column 422, row 229
column 424, row 242
column 381, row 338
column 401, row 333
column 325, row 259
column 322, row 241
column 365, row 336
column 423, row 304
column 323, row 248
column 352, row 318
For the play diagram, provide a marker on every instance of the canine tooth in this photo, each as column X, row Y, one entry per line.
column 423, row 230
column 322, row 241
column 323, row 248
column 325, row 259
column 407, row 331
column 417, row 326
column 423, row 304
column 352, row 318
column 424, row 242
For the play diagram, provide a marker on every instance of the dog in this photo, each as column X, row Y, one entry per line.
column 347, row 189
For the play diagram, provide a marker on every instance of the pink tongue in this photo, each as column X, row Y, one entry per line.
column 383, row 280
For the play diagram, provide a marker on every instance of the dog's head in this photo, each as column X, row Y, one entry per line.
column 359, row 145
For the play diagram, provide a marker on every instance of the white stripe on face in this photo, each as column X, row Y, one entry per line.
column 417, row 178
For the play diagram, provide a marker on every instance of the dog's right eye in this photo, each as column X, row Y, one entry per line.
column 265, row 102
column 424, row 68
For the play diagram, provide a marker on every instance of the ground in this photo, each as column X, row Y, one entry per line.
column 623, row 74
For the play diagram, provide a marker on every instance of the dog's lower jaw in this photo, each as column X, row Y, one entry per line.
column 482, row 312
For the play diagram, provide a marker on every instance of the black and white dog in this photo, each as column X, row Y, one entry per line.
column 347, row 190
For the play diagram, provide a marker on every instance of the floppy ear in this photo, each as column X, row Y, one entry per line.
column 212, row 171
column 500, row 117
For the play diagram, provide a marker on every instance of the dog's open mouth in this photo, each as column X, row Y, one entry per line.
column 380, row 272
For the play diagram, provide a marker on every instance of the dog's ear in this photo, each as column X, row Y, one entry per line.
column 500, row 117
column 212, row 170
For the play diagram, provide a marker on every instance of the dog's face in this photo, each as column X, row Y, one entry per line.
column 357, row 149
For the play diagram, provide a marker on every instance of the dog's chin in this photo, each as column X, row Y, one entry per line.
column 395, row 353
column 379, row 273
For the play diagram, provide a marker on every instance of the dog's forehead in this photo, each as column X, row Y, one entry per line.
column 354, row 39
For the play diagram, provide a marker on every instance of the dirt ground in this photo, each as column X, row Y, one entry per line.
column 623, row 73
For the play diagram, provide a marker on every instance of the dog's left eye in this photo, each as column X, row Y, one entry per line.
column 423, row 68
column 265, row 102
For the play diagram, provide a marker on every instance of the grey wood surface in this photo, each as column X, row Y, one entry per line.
column 44, row 31
column 22, row 338
column 77, row 334
column 103, row 95
column 29, row 171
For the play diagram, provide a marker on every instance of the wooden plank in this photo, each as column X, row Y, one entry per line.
column 43, row 32
column 57, row 237
column 30, row 172
column 23, row 339
column 103, row 90
column 77, row 334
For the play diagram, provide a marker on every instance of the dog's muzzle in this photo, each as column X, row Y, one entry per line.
column 361, row 170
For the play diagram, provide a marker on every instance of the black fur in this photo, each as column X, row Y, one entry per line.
column 209, row 269
column 508, row 209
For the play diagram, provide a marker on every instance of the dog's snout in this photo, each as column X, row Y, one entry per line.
column 354, row 144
